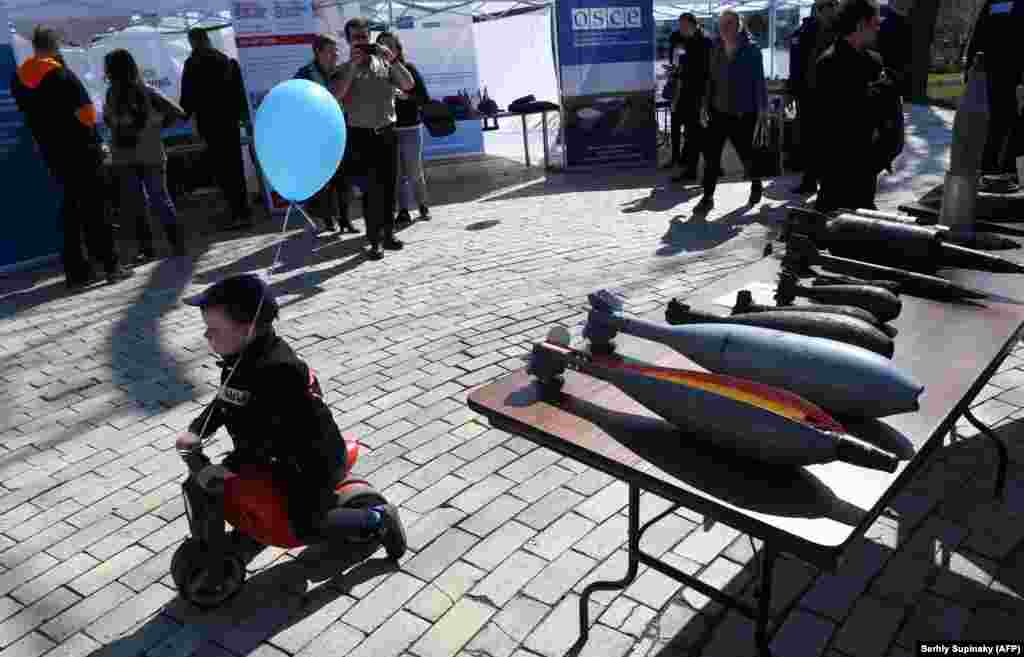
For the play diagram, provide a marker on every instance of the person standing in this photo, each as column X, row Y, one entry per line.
column 62, row 119
column 212, row 91
column 736, row 102
column 366, row 85
column 813, row 37
column 411, row 180
column 847, row 73
column 136, row 114
column 691, row 71
column 333, row 199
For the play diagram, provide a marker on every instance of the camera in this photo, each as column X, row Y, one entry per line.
column 369, row 48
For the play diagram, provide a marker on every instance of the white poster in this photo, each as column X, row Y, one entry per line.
column 274, row 40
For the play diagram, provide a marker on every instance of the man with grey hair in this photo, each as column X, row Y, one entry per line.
column 365, row 85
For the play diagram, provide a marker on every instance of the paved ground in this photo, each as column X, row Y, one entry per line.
column 503, row 535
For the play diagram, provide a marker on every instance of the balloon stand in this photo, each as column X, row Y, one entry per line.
column 311, row 226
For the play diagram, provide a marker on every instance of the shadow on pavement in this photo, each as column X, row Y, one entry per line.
column 272, row 600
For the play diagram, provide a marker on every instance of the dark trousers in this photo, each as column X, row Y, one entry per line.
column 83, row 212
column 224, row 150
column 686, row 115
column 810, row 156
column 1002, row 94
column 331, row 203
column 848, row 182
column 374, row 153
column 737, row 128
column 144, row 188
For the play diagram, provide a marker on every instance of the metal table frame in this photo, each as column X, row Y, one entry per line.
column 526, row 141
column 775, row 541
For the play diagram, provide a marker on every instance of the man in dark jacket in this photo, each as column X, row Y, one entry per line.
column 689, row 52
column 62, row 119
column 333, row 200
column 848, row 73
column 272, row 406
column 735, row 104
column 808, row 43
column 996, row 33
column 212, row 90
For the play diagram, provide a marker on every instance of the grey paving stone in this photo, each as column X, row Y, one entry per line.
column 421, row 477
column 127, row 535
column 704, row 546
column 494, row 549
column 453, row 630
column 421, row 533
column 430, row 603
column 445, row 550
column 85, row 612
column 492, row 641
column 384, row 601
column 508, row 578
column 560, row 576
column 519, row 616
column 607, row 537
column 530, row 464
column 19, row 551
column 135, row 611
column 870, row 628
column 553, row 637
column 481, row 493
column 499, row 511
column 601, row 506
column 437, row 494
column 544, row 482
column 79, row 645
column 29, row 618
column 66, row 571
column 108, row 571
column 26, row 571
column 340, row 639
column 30, row 645
column 459, row 578
column 482, row 466
column 803, row 634
column 559, row 536
column 549, row 508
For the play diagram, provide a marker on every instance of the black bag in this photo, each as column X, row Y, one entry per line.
column 438, row 118
column 668, row 92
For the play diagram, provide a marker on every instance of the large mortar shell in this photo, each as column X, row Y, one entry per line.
column 975, row 240
column 821, row 325
column 839, row 279
column 801, row 251
column 880, row 302
column 840, row 378
column 954, row 255
column 757, row 421
column 745, row 304
column 874, row 239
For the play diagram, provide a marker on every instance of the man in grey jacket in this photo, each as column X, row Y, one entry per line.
column 366, row 85
column 736, row 102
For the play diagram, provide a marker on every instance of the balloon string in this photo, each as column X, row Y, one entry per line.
column 252, row 325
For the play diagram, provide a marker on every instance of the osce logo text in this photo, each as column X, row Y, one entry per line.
column 607, row 18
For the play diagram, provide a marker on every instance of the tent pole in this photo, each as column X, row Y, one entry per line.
column 771, row 36
column 391, row 13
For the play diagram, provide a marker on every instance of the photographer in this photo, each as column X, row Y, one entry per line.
column 366, row 84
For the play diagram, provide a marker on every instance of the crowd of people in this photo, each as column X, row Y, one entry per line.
column 846, row 93
column 380, row 92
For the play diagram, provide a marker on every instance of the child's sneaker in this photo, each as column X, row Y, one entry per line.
column 392, row 533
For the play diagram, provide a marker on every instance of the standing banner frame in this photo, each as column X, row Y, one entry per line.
column 605, row 55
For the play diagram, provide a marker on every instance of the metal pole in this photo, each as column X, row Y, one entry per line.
column 771, row 38
column 391, row 14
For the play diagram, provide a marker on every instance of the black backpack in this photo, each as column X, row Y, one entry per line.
column 438, row 118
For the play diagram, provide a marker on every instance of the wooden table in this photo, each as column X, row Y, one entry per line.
column 814, row 512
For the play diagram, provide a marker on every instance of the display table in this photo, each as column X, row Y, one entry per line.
column 493, row 118
column 813, row 513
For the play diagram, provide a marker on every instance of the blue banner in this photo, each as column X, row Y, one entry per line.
column 606, row 71
column 31, row 230
column 468, row 139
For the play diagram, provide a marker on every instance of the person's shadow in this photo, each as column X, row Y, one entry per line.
column 661, row 199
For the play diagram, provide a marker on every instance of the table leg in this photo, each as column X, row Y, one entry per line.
column 526, row 143
column 544, row 136
column 1000, row 491
column 631, row 570
column 764, row 600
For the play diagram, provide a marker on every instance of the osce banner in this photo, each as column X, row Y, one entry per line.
column 31, row 231
column 606, row 67
column 442, row 49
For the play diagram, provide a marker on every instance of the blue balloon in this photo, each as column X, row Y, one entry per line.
column 300, row 138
